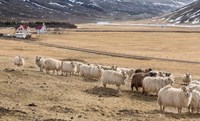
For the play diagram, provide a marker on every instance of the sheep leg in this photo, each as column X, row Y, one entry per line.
column 159, row 102
column 189, row 109
column 132, row 85
column 62, row 73
column 104, row 85
column 143, row 92
column 163, row 109
column 119, row 89
column 40, row 69
column 136, row 88
column 179, row 111
column 192, row 110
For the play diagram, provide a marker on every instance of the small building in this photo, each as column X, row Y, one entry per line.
column 22, row 31
column 41, row 29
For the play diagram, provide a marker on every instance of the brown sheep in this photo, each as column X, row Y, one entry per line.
column 137, row 79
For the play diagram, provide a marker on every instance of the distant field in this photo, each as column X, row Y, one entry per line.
column 70, row 98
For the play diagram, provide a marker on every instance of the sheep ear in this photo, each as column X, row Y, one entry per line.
column 184, row 88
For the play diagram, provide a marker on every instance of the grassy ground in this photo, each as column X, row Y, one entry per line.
column 71, row 98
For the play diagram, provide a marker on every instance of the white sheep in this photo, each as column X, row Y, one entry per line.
column 52, row 64
column 78, row 64
column 40, row 62
column 154, row 84
column 195, row 102
column 95, row 72
column 128, row 71
column 113, row 77
column 90, row 71
column 68, row 67
column 187, row 78
column 19, row 61
column 85, row 70
column 174, row 97
column 105, row 67
column 197, row 86
column 195, row 82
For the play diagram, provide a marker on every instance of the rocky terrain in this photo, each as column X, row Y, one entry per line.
column 188, row 14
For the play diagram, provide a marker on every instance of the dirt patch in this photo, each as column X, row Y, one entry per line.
column 101, row 91
column 61, row 109
column 4, row 111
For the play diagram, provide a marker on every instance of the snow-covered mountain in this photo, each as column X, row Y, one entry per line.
column 187, row 14
column 85, row 10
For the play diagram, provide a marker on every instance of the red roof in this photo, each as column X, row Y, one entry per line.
column 38, row 27
column 24, row 26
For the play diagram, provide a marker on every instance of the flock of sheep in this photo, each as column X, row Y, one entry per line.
column 149, row 80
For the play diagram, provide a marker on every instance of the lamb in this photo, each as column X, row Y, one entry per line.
column 154, row 84
column 129, row 72
column 68, row 67
column 137, row 80
column 187, row 78
column 52, row 64
column 174, row 97
column 39, row 61
column 19, row 61
column 113, row 77
column 195, row 102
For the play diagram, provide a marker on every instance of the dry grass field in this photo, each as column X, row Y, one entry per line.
column 32, row 95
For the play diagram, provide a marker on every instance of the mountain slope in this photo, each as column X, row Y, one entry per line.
column 85, row 10
column 187, row 14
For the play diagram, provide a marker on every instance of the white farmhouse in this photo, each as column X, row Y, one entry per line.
column 41, row 29
column 22, row 31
